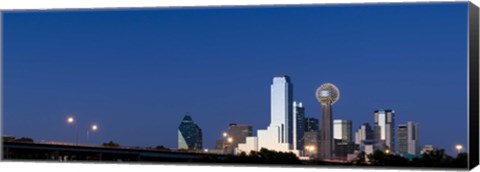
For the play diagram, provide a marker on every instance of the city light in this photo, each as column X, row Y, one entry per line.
column 225, row 134
column 230, row 140
column 70, row 120
column 310, row 148
column 94, row 127
column 387, row 151
column 459, row 148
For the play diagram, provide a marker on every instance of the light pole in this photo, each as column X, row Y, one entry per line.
column 459, row 148
column 71, row 120
column 94, row 127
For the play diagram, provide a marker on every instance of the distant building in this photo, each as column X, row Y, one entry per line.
column 364, row 132
column 342, row 130
column 236, row 133
column 7, row 138
column 370, row 146
column 311, row 124
column 342, row 148
column 298, row 125
column 384, row 127
column 408, row 138
column 189, row 134
column 312, row 143
column 219, row 145
column 427, row 148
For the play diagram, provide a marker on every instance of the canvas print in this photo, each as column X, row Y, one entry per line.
column 370, row 85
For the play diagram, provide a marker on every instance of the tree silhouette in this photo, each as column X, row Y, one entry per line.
column 24, row 139
column 111, row 144
column 161, row 147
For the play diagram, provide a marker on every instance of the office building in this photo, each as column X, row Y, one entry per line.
column 384, row 126
column 311, row 124
column 364, row 132
column 279, row 134
column 236, row 133
column 311, row 143
column 408, row 138
column 342, row 148
column 342, row 130
column 189, row 134
column 298, row 125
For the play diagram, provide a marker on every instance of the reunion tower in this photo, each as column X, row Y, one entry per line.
column 327, row 94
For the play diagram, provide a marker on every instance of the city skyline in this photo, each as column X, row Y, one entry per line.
column 132, row 83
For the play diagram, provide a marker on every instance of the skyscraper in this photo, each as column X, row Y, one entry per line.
column 364, row 132
column 311, row 124
column 298, row 125
column 281, row 107
column 342, row 130
column 311, row 137
column 189, row 134
column 408, row 140
column 385, row 127
column 279, row 134
column 327, row 94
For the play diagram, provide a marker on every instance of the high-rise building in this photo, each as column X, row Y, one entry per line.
column 364, row 132
column 385, row 127
column 279, row 134
column 311, row 124
column 327, row 94
column 189, row 134
column 281, row 107
column 311, row 142
column 342, row 130
column 236, row 133
column 408, row 138
column 298, row 125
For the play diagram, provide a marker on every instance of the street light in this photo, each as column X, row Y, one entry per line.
column 459, row 147
column 387, row 151
column 71, row 120
column 230, row 140
column 94, row 127
column 225, row 134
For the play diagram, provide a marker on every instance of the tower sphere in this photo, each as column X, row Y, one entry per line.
column 327, row 93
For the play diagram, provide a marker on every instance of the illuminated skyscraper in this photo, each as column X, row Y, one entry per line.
column 385, row 127
column 279, row 134
column 189, row 134
column 281, row 107
column 298, row 125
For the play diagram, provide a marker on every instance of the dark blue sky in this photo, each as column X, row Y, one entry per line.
column 137, row 72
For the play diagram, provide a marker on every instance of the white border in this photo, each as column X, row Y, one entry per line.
column 7, row 5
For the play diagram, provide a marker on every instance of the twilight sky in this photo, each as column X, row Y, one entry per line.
column 135, row 73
